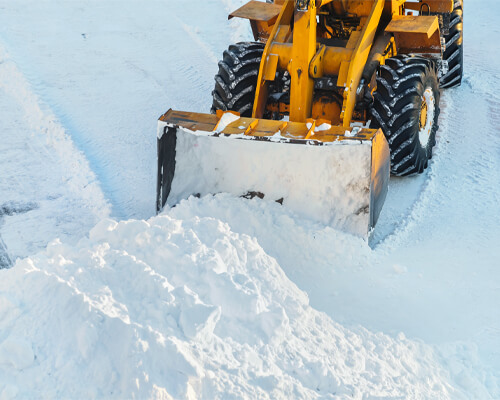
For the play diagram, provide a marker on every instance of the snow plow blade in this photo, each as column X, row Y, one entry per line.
column 333, row 175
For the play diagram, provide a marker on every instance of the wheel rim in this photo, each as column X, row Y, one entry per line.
column 426, row 118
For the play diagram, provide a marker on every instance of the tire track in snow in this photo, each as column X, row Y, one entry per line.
column 154, row 68
column 46, row 182
column 197, row 40
column 9, row 209
column 5, row 260
column 459, row 157
column 440, row 181
column 450, row 237
column 54, row 111
column 78, row 173
column 201, row 36
column 201, row 79
column 411, row 195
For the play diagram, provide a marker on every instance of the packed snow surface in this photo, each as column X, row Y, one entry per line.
column 44, row 177
column 222, row 297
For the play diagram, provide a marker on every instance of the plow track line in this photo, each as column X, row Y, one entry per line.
column 78, row 173
column 41, row 169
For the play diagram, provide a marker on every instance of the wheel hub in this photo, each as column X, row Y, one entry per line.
column 423, row 115
column 426, row 120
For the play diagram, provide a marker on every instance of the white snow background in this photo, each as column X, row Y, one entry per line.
column 222, row 297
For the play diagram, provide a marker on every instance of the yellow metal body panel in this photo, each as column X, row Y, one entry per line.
column 358, row 7
column 353, row 40
column 257, row 10
column 334, row 57
column 330, row 62
column 303, row 51
column 362, row 8
column 380, row 169
column 316, row 65
column 416, row 34
column 441, row 6
column 324, row 107
column 280, row 32
column 262, row 17
column 434, row 6
column 414, row 24
column 358, row 61
column 270, row 67
column 393, row 7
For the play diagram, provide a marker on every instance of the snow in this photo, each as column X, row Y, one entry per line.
column 187, row 308
column 353, row 132
column 226, row 119
column 323, row 127
column 277, row 137
column 206, row 164
column 49, row 177
column 222, row 297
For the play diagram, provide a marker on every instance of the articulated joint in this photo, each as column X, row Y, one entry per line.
column 327, row 59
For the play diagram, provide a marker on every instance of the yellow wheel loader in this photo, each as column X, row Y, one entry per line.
column 330, row 98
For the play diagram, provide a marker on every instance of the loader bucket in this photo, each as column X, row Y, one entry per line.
column 333, row 175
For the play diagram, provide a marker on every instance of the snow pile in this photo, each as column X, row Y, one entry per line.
column 171, row 308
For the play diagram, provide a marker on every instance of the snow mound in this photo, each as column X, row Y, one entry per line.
column 188, row 309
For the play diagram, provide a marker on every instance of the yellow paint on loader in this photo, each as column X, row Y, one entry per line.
column 317, row 54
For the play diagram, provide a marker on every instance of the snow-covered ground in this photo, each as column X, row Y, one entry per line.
column 222, row 297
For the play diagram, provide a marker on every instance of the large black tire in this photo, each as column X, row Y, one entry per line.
column 454, row 53
column 237, row 78
column 406, row 85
